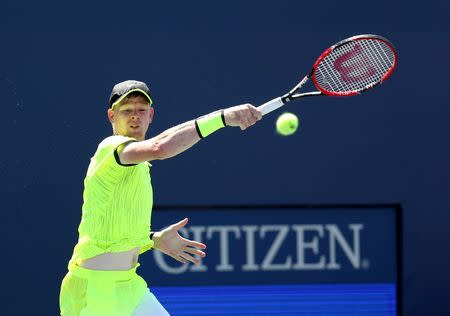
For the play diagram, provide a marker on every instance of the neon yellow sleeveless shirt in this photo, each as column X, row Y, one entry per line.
column 118, row 200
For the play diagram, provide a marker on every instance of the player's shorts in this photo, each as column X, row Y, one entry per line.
column 86, row 292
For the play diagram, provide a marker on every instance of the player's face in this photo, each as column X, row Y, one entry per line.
column 132, row 118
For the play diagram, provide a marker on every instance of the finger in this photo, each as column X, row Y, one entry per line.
column 194, row 251
column 188, row 257
column 179, row 258
column 194, row 244
column 176, row 257
column 255, row 112
column 257, row 115
column 245, row 123
column 181, row 223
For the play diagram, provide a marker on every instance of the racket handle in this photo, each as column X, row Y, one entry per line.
column 270, row 106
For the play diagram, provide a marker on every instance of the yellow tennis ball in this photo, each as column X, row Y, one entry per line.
column 287, row 124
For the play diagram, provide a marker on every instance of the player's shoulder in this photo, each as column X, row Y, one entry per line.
column 114, row 141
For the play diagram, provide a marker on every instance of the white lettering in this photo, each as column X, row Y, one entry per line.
column 335, row 235
column 250, row 264
column 302, row 245
column 310, row 243
column 267, row 264
column 224, row 244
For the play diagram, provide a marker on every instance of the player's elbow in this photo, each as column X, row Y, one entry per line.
column 162, row 150
column 155, row 151
column 151, row 149
column 142, row 151
column 159, row 151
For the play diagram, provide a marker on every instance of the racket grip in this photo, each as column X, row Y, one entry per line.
column 270, row 106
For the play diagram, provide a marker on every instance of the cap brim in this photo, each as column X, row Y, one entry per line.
column 126, row 94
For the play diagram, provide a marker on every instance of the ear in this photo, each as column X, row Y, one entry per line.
column 151, row 113
column 111, row 115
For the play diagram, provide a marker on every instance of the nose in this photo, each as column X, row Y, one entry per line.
column 135, row 115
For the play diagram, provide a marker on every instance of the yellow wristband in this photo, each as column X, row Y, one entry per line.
column 208, row 124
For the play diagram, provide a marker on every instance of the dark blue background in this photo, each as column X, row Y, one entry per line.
column 58, row 62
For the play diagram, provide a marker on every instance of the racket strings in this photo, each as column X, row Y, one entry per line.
column 355, row 66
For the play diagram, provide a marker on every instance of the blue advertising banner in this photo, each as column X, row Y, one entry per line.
column 281, row 245
column 282, row 260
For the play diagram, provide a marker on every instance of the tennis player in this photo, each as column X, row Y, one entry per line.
column 118, row 199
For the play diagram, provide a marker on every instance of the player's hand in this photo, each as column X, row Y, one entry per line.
column 244, row 115
column 172, row 244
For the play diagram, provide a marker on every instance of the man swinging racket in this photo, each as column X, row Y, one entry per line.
column 118, row 199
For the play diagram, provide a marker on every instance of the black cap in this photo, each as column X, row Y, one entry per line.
column 124, row 88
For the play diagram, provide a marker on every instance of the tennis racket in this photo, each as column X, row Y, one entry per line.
column 347, row 68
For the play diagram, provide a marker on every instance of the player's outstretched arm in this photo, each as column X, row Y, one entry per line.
column 182, row 137
column 172, row 244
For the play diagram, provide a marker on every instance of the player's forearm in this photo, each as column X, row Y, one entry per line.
column 175, row 140
column 169, row 143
